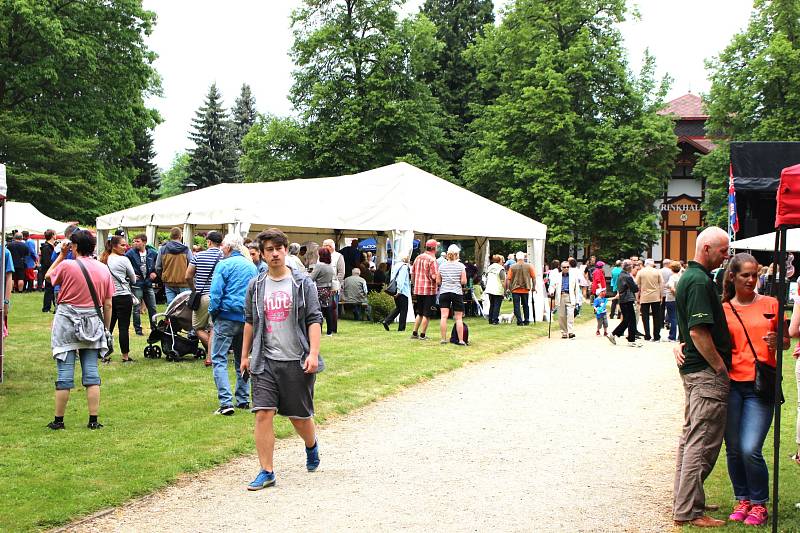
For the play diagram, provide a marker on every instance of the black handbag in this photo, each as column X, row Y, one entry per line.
column 764, row 384
column 391, row 290
column 196, row 297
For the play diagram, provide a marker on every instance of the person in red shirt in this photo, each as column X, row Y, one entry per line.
column 598, row 277
column 423, row 274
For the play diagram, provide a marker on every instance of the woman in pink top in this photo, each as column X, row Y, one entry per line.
column 79, row 330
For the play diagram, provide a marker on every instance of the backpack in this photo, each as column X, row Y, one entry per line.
column 454, row 334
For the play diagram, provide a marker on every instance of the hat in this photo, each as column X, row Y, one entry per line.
column 431, row 243
column 214, row 236
column 599, row 264
column 453, row 249
column 600, row 290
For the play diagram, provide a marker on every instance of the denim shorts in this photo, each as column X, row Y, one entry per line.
column 90, row 375
column 284, row 387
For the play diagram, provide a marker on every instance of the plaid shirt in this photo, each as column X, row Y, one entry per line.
column 424, row 274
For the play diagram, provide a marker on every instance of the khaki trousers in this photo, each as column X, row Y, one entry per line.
column 703, row 428
column 566, row 315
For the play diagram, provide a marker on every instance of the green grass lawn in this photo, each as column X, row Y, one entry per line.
column 718, row 485
column 158, row 415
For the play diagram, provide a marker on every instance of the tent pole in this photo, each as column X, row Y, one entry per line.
column 3, row 317
column 780, row 268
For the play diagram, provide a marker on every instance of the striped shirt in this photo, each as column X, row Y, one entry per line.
column 204, row 263
column 451, row 277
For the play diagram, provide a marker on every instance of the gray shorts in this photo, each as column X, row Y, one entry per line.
column 285, row 388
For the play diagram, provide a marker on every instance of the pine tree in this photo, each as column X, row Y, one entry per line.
column 142, row 160
column 212, row 161
column 243, row 116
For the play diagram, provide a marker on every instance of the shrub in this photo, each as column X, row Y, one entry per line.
column 381, row 304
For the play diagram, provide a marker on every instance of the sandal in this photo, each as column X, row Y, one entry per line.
column 106, row 359
column 795, row 457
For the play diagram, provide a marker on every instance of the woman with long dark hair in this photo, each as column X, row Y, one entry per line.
column 122, row 303
column 322, row 273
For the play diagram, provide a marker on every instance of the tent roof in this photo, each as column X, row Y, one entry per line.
column 394, row 197
column 23, row 216
column 766, row 242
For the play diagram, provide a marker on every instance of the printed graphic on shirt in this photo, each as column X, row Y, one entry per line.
column 280, row 337
column 277, row 307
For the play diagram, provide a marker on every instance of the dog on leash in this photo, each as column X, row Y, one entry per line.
column 506, row 318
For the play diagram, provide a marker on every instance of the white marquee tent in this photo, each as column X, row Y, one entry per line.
column 766, row 242
column 22, row 216
column 397, row 202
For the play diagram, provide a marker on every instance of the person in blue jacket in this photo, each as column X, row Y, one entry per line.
column 143, row 259
column 226, row 308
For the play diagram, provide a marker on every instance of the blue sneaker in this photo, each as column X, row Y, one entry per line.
column 263, row 480
column 312, row 457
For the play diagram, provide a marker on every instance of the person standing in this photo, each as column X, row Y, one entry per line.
column 19, row 254
column 666, row 273
column 6, row 283
column 566, row 291
column 598, row 278
column 226, row 308
column 46, row 250
column 198, row 274
column 122, row 303
column 520, row 281
column 703, row 329
column 337, row 262
column 323, row 274
column 143, row 261
column 255, row 255
column 351, row 256
column 615, row 272
column 495, row 287
column 171, row 263
column 451, row 278
column 293, row 260
column 626, row 294
column 401, row 273
column 77, row 305
column 283, row 326
column 600, row 310
column 31, row 262
column 669, row 300
column 423, row 272
column 651, row 290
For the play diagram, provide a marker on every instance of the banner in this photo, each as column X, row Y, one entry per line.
column 733, row 220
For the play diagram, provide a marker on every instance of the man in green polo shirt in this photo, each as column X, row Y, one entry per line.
column 704, row 367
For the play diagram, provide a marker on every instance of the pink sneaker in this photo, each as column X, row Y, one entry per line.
column 757, row 517
column 741, row 511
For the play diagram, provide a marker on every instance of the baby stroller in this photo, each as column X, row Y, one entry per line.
column 165, row 337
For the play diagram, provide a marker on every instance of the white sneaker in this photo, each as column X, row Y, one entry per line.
column 635, row 344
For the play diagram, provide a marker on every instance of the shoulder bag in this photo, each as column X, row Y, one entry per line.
column 96, row 301
column 197, row 296
column 764, row 384
column 391, row 289
column 134, row 300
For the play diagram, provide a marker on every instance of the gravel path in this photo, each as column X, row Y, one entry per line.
column 559, row 436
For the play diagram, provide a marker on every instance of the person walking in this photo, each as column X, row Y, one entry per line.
column 626, row 294
column 46, row 250
column 283, row 325
column 85, row 299
column 451, row 278
column 401, row 273
column 615, row 272
column 495, row 287
column 423, row 272
column 122, row 303
column 669, row 300
column 598, row 278
column 520, row 281
column 323, row 274
column 173, row 259
column 199, row 274
column 143, row 261
column 651, row 290
column 600, row 311
column 703, row 328
column 566, row 291
column 226, row 307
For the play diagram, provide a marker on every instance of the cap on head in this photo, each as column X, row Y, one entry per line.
column 431, row 244
column 599, row 264
column 600, row 290
column 453, row 249
column 214, row 236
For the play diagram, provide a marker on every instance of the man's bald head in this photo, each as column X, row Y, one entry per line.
column 711, row 248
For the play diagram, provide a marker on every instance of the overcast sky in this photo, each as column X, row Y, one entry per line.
column 246, row 41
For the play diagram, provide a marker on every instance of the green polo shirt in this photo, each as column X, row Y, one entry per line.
column 698, row 303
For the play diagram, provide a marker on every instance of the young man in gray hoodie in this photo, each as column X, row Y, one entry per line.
column 280, row 349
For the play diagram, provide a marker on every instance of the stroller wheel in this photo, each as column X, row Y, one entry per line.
column 148, row 352
column 157, row 352
column 200, row 353
column 172, row 356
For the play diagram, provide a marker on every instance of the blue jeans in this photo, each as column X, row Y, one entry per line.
column 65, row 379
column 227, row 336
column 172, row 292
column 749, row 420
column 672, row 320
column 147, row 296
column 521, row 300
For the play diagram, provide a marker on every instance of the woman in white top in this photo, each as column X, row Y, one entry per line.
column 123, row 275
column 669, row 300
column 451, row 276
column 495, row 287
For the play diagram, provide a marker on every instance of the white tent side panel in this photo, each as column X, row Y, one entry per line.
column 23, row 216
column 766, row 242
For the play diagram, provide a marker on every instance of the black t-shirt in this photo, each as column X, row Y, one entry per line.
column 46, row 251
column 697, row 304
column 19, row 251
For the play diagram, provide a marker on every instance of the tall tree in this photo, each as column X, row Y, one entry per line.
column 243, row 116
column 274, row 149
column 569, row 139
column 173, row 180
column 212, row 160
column 455, row 81
column 142, row 160
column 74, row 74
column 755, row 93
column 359, row 86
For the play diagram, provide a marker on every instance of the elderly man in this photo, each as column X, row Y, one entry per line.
column 651, row 290
column 521, row 280
column 567, row 293
column 226, row 308
column 704, row 367
column 354, row 292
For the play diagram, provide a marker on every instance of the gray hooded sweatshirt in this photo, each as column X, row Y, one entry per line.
column 306, row 309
